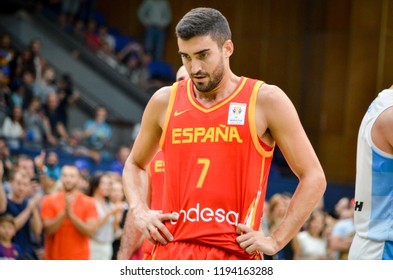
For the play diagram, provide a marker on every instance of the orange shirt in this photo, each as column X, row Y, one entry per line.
column 67, row 243
column 216, row 167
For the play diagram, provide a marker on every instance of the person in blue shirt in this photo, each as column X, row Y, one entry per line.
column 98, row 133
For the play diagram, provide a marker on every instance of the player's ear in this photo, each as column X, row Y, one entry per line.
column 228, row 48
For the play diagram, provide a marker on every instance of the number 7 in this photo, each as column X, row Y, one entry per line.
column 206, row 163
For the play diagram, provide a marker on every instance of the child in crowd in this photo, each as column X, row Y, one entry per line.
column 8, row 249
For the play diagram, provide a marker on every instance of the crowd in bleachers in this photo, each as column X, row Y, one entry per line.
column 137, row 59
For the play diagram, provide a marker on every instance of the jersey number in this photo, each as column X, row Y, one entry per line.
column 205, row 162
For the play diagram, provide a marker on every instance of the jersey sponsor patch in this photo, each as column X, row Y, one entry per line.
column 237, row 113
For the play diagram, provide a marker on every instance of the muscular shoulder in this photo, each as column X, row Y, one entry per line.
column 158, row 104
column 272, row 102
column 382, row 132
column 270, row 94
column 162, row 95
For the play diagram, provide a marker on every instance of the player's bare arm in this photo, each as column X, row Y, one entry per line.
column 382, row 133
column 135, row 182
column 278, row 121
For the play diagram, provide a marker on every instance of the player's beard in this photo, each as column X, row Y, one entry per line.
column 213, row 80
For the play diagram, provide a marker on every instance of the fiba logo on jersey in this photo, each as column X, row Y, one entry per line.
column 237, row 113
column 207, row 214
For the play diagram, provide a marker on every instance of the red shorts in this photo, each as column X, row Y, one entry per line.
column 190, row 251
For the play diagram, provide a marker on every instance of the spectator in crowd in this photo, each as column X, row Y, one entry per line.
column 105, row 36
column 181, row 74
column 13, row 128
column 312, row 240
column 278, row 206
column 69, row 219
column 45, row 85
column 106, row 54
column 87, row 10
column 52, row 167
column 141, row 76
column 36, row 124
column 84, row 167
column 38, row 60
column 25, row 164
column 76, row 146
column 25, row 212
column 340, row 208
column 155, row 16
column 8, row 249
column 7, row 54
column 121, row 157
column 6, row 163
column 342, row 234
column 5, row 93
column 23, row 62
column 23, row 91
column 116, row 197
column 98, row 134
column 92, row 40
column 68, row 96
column 69, row 10
column 108, row 218
column 57, row 130
column 79, row 31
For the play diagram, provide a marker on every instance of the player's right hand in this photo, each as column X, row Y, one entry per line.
column 151, row 224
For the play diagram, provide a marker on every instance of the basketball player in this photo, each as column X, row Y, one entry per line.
column 373, row 188
column 129, row 245
column 217, row 131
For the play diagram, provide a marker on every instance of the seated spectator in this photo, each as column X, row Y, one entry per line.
column 105, row 36
column 13, row 128
column 23, row 91
column 23, row 62
column 106, row 54
column 79, row 31
column 53, row 169
column 36, row 124
column 69, row 10
column 98, row 134
column 7, row 54
column 45, row 85
column 121, row 157
column 39, row 61
column 75, row 145
column 92, row 40
column 8, row 249
column 68, row 96
column 57, row 130
column 5, row 93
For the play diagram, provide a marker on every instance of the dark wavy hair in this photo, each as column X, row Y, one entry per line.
column 204, row 21
column 95, row 181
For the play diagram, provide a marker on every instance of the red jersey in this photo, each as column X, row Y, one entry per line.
column 156, row 174
column 216, row 167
